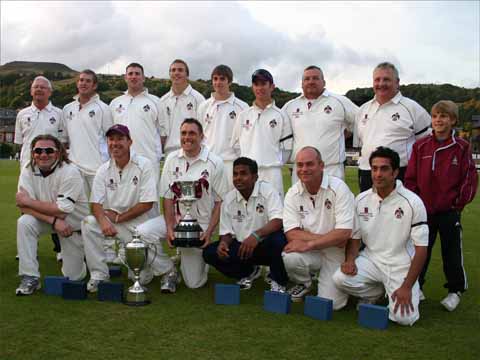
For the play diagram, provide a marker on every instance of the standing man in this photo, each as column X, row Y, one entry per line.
column 389, row 120
column 218, row 115
column 250, row 230
column 192, row 162
column 392, row 223
column 442, row 172
column 180, row 103
column 38, row 119
column 87, row 118
column 124, row 190
column 319, row 118
column 139, row 111
column 51, row 198
column 261, row 129
column 318, row 221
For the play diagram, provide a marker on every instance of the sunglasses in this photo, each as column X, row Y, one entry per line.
column 47, row 151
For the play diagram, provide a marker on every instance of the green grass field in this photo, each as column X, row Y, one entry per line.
column 188, row 325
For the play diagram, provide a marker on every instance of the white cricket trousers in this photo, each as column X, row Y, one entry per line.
column 29, row 230
column 300, row 266
column 373, row 280
column 193, row 268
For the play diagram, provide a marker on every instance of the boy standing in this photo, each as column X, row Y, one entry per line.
column 441, row 171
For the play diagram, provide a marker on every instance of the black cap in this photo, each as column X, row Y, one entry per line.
column 263, row 75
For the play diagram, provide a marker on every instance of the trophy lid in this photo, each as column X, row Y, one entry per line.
column 136, row 242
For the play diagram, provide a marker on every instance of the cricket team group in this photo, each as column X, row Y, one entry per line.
column 91, row 176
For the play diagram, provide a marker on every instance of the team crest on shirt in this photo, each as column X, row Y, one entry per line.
column 232, row 114
column 135, row 180
column 52, row 120
column 70, row 116
column 273, row 123
column 327, row 109
column 205, row 174
column 177, row 173
column 297, row 113
column 168, row 111
column 189, row 106
column 365, row 214
column 365, row 118
column 112, row 185
column 328, row 204
column 455, row 160
column 247, row 125
column 302, row 212
column 260, row 209
column 395, row 116
column 119, row 109
column 239, row 216
column 91, row 113
column 399, row 213
column 208, row 119
column 146, row 108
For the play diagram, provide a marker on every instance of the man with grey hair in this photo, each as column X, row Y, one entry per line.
column 389, row 120
column 40, row 118
column 319, row 118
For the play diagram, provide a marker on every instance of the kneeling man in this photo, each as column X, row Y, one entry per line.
column 52, row 199
column 318, row 221
column 392, row 223
column 250, row 230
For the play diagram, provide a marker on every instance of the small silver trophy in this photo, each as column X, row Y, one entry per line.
column 136, row 255
column 187, row 231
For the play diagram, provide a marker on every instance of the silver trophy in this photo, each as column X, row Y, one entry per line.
column 187, row 232
column 136, row 257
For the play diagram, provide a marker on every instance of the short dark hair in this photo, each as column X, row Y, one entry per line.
column 385, row 152
column 91, row 73
column 223, row 70
column 180, row 61
column 252, row 164
column 62, row 152
column 193, row 121
column 134, row 64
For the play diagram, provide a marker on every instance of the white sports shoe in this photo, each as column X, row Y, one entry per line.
column 298, row 291
column 247, row 282
column 92, row 285
column 451, row 301
column 274, row 286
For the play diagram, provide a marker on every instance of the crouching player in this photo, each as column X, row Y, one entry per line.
column 392, row 223
column 442, row 172
column 52, row 199
column 250, row 230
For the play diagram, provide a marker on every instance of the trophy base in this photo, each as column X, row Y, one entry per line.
column 137, row 303
column 187, row 243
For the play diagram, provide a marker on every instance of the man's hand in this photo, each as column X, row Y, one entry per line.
column 349, row 268
column 222, row 250
column 22, row 198
column 62, row 228
column 297, row 245
column 248, row 246
column 107, row 228
column 403, row 299
column 170, row 237
column 111, row 215
column 206, row 238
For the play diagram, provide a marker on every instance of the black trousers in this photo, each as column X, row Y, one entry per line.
column 365, row 178
column 447, row 224
column 268, row 252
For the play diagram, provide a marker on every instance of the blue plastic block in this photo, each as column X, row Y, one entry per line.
column 227, row 294
column 318, row 308
column 373, row 316
column 115, row 270
column 276, row 302
column 108, row 291
column 52, row 285
column 74, row 290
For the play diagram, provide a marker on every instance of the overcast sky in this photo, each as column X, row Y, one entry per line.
column 430, row 42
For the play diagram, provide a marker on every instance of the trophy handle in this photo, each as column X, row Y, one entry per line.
column 150, row 246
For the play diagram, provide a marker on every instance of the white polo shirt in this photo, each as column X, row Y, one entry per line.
column 396, row 124
column 85, row 128
column 331, row 208
column 32, row 122
column 259, row 133
column 218, row 119
column 240, row 217
column 121, row 189
column 206, row 165
column 141, row 115
column 175, row 109
column 321, row 123
column 63, row 187
column 390, row 228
